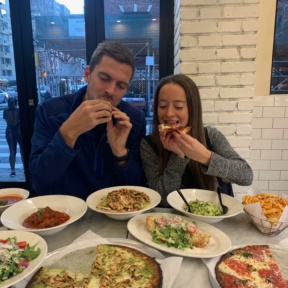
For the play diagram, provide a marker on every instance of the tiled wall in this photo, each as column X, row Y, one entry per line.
column 216, row 45
column 269, row 149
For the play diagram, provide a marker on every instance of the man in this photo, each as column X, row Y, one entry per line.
column 89, row 140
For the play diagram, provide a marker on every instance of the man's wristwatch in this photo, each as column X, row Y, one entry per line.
column 121, row 158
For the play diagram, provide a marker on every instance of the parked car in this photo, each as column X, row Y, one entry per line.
column 12, row 92
column 74, row 88
column 3, row 96
column 138, row 102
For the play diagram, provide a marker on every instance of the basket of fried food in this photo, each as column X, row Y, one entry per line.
column 267, row 212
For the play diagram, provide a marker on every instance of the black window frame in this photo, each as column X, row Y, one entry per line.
column 22, row 36
column 279, row 67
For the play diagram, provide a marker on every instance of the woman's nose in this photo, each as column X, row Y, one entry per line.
column 170, row 111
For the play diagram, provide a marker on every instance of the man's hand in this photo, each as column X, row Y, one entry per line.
column 118, row 134
column 88, row 115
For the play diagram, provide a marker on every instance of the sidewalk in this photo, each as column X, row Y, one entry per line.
column 5, row 175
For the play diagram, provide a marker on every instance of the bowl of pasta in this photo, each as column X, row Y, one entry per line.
column 267, row 212
column 123, row 202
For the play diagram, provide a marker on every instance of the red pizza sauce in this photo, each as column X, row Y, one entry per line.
column 10, row 199
column 45, row 218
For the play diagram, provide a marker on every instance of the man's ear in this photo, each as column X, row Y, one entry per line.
column 87, row 73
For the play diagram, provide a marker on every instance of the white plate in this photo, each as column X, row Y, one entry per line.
column 14, row 216
column 32, row 239
column 219, row 243
column 53, row 257
column 94, row 199
column 278, row 252
column 234, row 206
column 13, row 191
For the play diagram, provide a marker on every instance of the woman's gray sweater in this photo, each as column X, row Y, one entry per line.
column 224, row 163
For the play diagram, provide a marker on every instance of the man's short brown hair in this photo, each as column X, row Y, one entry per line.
column 115, row 50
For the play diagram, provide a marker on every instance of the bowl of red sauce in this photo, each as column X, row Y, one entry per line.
column 10, row 196
column 44, row 215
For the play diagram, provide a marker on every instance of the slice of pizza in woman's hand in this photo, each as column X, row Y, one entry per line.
column 249, row 267
column 176, row 232
column 166, row 128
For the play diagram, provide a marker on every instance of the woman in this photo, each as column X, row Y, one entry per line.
column 13, row 132
column 201, row 159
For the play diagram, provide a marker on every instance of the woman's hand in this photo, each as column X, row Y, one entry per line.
column 172, row 144
column 191, row 147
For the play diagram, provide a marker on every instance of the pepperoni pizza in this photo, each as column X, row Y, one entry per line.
column 248, row 267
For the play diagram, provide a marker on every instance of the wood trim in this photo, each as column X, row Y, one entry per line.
column 265, row 47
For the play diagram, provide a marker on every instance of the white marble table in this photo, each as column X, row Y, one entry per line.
column 192, row 270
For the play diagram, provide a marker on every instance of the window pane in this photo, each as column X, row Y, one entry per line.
column 136, row 25
column 279, row 78
column 59, row 46
column 11, row 165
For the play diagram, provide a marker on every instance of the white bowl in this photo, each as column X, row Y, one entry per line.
column 34, row 264
column 94, row 199
column 12, row 191
column 234, row 206
column 14, row 216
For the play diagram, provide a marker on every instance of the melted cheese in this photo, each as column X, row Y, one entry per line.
column 62, row 278
column 115, row 266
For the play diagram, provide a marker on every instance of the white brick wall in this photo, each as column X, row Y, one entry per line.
column 269, row 145
column 216, row 45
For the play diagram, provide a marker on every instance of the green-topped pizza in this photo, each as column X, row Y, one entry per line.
column 53, row 277
column 114, row 266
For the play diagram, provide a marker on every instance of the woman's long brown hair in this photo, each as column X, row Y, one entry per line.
column 194, row 120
